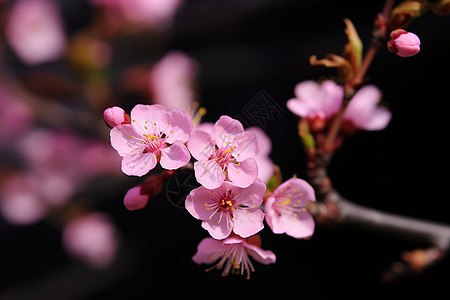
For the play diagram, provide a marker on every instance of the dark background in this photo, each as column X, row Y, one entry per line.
column 243, row 48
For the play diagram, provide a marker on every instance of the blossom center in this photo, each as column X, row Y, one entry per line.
column 154, row 144
column 234, row 259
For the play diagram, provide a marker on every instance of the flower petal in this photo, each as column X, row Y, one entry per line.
column 177, row 125
column 301, row 226
column 174, row 156
column 209, row 173
column 197, row 203
column 207, row 251
column 253, row 195
column 225, row 130
column 262, row 256
column 379, row 119
column 144, row 118
column 200, row 145
column 138, row 164
column 248, row 221
column 247, row 146
column 244, row 173
column 125, row 139
column 219, row 226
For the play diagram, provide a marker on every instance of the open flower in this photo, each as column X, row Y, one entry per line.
column 363, row 112
column 225, row 153
column 232, row 255
column 286, row 208
column 154, row 135
column 317, row 102
column 228, row 208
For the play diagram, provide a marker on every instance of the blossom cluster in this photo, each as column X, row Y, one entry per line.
column 233, row 167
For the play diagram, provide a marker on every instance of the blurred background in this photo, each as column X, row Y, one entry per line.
column 64, row 232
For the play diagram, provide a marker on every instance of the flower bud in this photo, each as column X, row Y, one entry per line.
column 114, row 116
column 403, row 43
column 134, row 199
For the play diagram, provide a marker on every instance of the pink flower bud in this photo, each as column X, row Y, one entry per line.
column 403, row 43
column 134, row 199
column 114, row 116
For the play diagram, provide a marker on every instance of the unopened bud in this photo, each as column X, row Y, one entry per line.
column 114, row 116
column 404, row 43
column 134, row 199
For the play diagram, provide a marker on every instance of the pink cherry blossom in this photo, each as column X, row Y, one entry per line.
column 363, row 112
column 232, row 255
column 286, row 209
column 34, row 30
column 154, row 135
column 224, row 154
column 317, row 102
column 228, row 209
column 92, row 238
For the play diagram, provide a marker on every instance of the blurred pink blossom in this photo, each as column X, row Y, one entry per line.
column 153, row 13
column 228, row 209
column 19, row 203
column 232, row 255
column 57, row 165
column 34, row 30
column 286, row 208
column 154, row 135
column 317, row 102
column 172, row 81
column 363, row 112
column 93, row 238
column 15, row 116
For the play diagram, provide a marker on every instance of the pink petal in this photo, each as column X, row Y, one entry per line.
column 247, row 146
column 201, row 145
column 225, row 130
column 144, row 118
column 195, row 203
column 379, row 119
column 272, row 217
column 174, row 156
column 298, row 107
column 138, row 164
column 244, row 173
column 264, row 142
column 300, row 227
column 209, row 173
column 306, row 190
column 206, row 250
column 217, row 227
column 253, row 195
column 177, row 125
column 122, row 139
column 266, row 168
column 262, row 256
column 362, row 107
column 247, row 222
column 332, row 98
column 134, row 200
